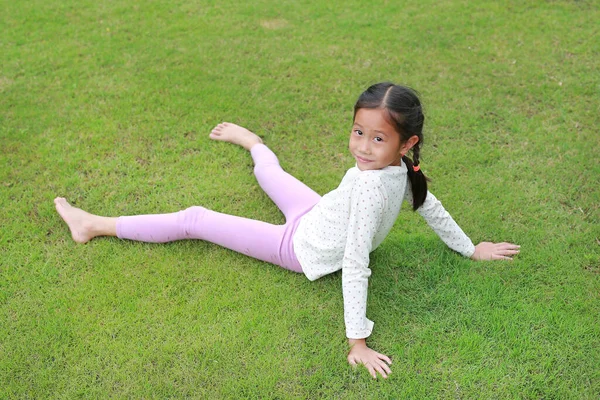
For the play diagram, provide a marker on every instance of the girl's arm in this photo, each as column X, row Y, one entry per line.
column 442, row 223
column 448, row 230
column 367, row 205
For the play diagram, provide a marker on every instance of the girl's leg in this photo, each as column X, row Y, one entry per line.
column 292, row 197
column 266, row 242
column 257, row 239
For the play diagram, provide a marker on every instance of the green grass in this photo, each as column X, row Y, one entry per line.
column 110, row 104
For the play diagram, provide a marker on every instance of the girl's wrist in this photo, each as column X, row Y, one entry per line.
column 357, row 342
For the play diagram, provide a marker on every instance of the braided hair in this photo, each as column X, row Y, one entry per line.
column 406, row 115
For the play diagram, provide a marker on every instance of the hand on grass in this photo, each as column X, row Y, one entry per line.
column 372, row 360
column 495, row 251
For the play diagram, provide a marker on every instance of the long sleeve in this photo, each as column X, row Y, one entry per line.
column 367, row 205
column 442, row 223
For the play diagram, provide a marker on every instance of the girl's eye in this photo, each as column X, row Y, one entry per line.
column 378, row 139
column 358, row 132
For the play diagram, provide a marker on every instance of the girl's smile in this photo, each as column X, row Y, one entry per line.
column 362, row 160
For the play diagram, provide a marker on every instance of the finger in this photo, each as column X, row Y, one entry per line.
column 381, row 371
column 385, row 367
column 384, row 358
column 508, row 252
column 352, row 361
column 372, row 371
column 505, row 245
column 499, row 257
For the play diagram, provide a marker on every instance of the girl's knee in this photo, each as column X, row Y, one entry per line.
column 265, row 167
column 189, row 218
column 192, row 212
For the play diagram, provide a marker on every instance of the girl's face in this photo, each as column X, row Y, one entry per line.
column 374, row 143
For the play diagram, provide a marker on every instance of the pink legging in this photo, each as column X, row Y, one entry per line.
column 261, row 240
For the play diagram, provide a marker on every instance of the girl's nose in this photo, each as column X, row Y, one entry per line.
column 365, row 146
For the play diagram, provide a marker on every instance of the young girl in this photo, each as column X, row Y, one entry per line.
column 321, row 235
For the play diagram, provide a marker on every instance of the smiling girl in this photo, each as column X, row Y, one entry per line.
column 324, row 234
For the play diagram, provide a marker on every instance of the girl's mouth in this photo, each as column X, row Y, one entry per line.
column 362, row 159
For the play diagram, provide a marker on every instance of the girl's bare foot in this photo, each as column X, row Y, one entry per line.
column 83, row 225
column 235, row 134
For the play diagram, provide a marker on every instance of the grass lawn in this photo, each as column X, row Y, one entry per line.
column 110, row 105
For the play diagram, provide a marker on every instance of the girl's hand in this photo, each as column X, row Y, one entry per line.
column 374, row 361
column 495, row 251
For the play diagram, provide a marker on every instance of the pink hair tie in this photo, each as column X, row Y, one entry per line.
column 416, row 168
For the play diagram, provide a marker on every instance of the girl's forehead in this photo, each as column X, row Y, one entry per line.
column 374, row 118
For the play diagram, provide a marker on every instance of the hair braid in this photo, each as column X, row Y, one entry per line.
column 416, row 153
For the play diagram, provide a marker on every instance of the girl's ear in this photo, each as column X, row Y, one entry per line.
column 413, row 140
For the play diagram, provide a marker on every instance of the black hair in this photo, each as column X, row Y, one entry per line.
column 406, row 115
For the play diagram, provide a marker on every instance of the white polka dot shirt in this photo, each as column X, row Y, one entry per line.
column 351, row 221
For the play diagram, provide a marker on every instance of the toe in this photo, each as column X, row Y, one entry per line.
column 63, row 202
